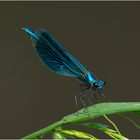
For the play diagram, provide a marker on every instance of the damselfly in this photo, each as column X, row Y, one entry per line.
column 61, row 62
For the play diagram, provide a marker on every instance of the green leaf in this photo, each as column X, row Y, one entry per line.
column 89, row 113
column 101, row 109
column 105, row 129
column 98, row 126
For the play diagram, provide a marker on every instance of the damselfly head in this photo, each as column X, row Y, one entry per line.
column 100, row 84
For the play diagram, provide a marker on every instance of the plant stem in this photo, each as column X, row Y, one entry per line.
column 43, row 131
column 112, row 124
column 92, row 112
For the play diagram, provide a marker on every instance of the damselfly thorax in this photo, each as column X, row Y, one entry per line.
column 90, row 81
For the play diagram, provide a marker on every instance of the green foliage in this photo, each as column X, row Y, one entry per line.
column 104, row 128
column 77, row 134
column 90, row 113
column 58, row 135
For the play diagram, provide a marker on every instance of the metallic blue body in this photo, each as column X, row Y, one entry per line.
column 59, row 60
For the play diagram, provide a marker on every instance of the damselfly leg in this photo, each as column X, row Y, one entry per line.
column 82, row 93
column 91, row 97
column 105, row 98
column 95, row 97
column 90, row 92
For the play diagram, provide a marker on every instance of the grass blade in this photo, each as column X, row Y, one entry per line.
column 91, row 112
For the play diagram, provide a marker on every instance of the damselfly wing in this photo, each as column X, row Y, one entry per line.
column 56, row 58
